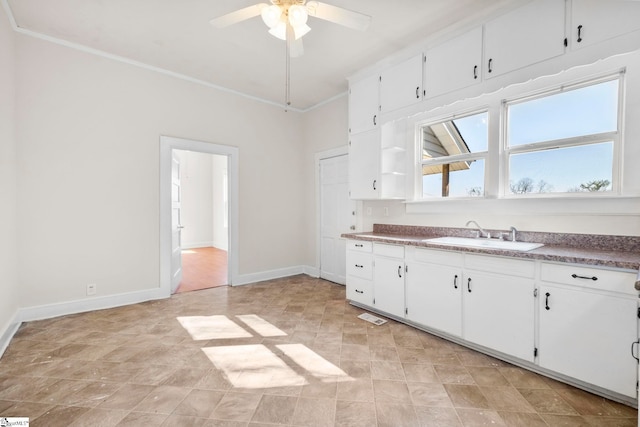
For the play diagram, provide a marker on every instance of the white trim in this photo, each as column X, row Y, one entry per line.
column 246, row 279
column 8, row 334
column 103, row 54
column 80, row 306
column 323, row 155
column 167, row 145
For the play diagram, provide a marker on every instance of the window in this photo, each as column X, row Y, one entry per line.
column 564, row 141
column 453, row 157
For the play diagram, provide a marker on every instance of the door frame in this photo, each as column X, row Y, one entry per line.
column 167, row 145
column 323, row 155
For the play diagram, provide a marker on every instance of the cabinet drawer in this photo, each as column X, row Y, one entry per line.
column 392, row 251
column 359, row 245
column 359, row 265
column 589, row 277
column 454, row 259
column 360, row 290
column 500, row 265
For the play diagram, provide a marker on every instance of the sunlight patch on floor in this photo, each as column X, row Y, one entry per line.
column 212, row 327
column 313, row 363
column 261, row 326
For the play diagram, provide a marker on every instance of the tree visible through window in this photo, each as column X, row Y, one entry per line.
column 563, row 142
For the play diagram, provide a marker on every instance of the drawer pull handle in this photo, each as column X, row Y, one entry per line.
column 359, row 292
column 455, row 282
column 579, row 34
column 546, row 301
column 359, row 266
column 400, row 271
column 575, row 276
column 490, row 65
column 359, row 246
column 469, row 284
column 632, row 353
column 475, row 71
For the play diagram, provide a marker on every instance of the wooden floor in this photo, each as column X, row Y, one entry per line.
column 203, row 268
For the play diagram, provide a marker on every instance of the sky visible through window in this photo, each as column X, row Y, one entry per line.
column 584, row 111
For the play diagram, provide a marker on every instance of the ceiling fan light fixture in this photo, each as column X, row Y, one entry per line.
column 279, row 31
column 297, row 15
column 300, row 31
column 271, row 15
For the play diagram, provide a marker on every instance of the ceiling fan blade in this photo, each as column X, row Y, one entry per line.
column 338, row 15
column 237, row 16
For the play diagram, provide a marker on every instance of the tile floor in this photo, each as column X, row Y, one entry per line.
column 284, row 352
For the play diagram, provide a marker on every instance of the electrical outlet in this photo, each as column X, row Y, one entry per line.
column 91, row 289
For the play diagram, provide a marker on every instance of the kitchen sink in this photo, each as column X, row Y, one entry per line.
column 485, row 243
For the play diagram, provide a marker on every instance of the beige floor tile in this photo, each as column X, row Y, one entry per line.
column 355, row 414
column 520, row 378
column 275, row 409
column 382, row 353
column 391, row 391
column 325, row 390
column 506, row 399
column 354, row 352
column 92, row 395
column 487, row 376
column 127, row 397
column 314, row 412
column 23, row 409
column 59, row 416
column 422, row 373
column 452, row 374
column 396, row 414
column 466, row 396
column 437, row 417
column 199, row 403
column 429, row 395
column 236, row 407
column 360, row 390
column 479, row 417
column 547, row 401
column 100, row 418
column 356, row 368
column 184, row 421
column 383, row 370
column 137, row 419
column 520, row 419
column 162, row 399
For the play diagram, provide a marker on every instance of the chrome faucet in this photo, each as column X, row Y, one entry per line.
column 481, row 231
column 512, row 233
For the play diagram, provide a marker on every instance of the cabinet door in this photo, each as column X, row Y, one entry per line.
column 364, row 164
column 433, row 297
column 588, row 336
column 499, row 312
column 401, row 85
column 593, row 21
column 364, row 104
column 527, row 35
column 388, row 285
column 359, row 290
column 454, row 64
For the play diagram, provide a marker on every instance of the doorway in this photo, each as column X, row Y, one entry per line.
column 337, row 214
column 202, row 214
column 174, row 223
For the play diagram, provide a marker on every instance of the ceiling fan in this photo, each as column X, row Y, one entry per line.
column 287, row 19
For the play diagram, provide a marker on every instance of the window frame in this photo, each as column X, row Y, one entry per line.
column 615, row 137
column 437, row 161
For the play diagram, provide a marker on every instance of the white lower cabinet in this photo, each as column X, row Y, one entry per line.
column 360, row 272
column 577, row 321
column 433, row 290
column 588, row 334
column 388, row 279
column 499, row 313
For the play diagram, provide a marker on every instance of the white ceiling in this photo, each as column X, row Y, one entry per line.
column 175, row 35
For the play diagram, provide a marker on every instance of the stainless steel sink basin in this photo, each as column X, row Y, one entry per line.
column 485, row 243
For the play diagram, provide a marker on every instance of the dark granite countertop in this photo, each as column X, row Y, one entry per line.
column 596, row 250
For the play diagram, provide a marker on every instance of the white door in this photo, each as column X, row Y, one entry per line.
column 176, row 225
column 337, row 216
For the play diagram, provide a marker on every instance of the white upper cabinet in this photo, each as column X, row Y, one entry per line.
column 455, row 64
column 364, row 104
column 401, row 84
column 525, row 36
column 593, row 21
column 364, row 165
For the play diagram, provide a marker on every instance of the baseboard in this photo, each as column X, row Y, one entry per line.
column 195, row 245
column 8, row 334
column 311, row 271
column 245, row 279
column 80, row 306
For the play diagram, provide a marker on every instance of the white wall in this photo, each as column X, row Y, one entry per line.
column 325, row 128
column 8, row 235
column 88, row 161
column 196, row 208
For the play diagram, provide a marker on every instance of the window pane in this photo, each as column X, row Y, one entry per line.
column 588, row 110
column 465, row 179
column 460, row 136
column 563, row 170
